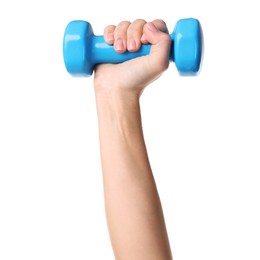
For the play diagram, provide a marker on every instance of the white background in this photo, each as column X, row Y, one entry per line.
column 202, row 134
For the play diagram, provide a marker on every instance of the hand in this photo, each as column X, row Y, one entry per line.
column 134, row 75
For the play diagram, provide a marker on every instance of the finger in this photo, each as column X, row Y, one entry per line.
column 160, row 25
column 109, row 34
column 120, row 36
column 134, row 34
column 160, row 49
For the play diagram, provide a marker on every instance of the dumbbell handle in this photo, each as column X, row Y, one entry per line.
column 105, row 53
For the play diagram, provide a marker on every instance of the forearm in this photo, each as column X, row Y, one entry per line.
column 134, row 214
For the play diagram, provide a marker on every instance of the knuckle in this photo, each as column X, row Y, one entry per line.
column 109, row 29
column 135, row 29
column 161, row 22
column 161, row 25
column 139, row 22
column 121, row 28
column 123, row 24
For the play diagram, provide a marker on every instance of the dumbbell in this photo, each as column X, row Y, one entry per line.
column 82, row 50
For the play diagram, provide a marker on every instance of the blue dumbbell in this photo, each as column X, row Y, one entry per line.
column 82, row 50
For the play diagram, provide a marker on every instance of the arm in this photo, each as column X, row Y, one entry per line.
column 133, row 209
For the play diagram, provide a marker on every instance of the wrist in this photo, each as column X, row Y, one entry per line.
column 115, row 98
column 118, row 110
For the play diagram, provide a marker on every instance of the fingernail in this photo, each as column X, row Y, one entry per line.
column 151, row 27
column 119, row 45
column 131, row 45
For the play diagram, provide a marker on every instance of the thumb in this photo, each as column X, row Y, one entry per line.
column 160, row 49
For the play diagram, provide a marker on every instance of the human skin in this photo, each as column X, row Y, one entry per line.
column 134, row 213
